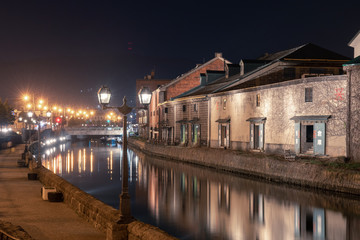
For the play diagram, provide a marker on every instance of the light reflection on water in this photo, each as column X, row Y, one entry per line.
column 197, row 203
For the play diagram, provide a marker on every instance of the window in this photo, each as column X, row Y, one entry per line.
column 258, row 100
column 224, row 103
column 166, row 110
column 308, row 94
column 195, row 107
column 184, row 108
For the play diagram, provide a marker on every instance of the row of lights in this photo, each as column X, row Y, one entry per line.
column 72, row 112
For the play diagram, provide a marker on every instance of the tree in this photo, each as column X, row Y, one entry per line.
column 6, row 116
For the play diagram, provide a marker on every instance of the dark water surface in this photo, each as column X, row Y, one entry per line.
column 191, row 202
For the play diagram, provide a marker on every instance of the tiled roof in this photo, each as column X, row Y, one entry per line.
column 307, row 51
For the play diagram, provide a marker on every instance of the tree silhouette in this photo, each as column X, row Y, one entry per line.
column 6, row 116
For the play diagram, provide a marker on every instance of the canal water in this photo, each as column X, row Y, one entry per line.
column 191, row 202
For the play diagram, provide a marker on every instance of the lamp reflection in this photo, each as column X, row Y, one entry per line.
column 84, row 159
column 200, row 201
column 79, row 161
column 91, row 161
column 68, row 162
column 72, row 161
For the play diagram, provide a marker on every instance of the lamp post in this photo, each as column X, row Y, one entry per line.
column 30, row 115
column 145, row 99
column 38, row 121
column 104, row 95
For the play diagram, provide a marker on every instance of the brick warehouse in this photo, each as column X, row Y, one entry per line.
column 160, row 124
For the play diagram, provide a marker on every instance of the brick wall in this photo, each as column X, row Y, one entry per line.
column 193, row 79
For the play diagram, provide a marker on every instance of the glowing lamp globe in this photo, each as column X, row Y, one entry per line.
column 144, row 96
column 104, row 95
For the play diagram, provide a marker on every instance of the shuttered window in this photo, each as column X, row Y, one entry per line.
column 258, row 100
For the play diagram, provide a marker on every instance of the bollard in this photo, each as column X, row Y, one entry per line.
column 55, row 196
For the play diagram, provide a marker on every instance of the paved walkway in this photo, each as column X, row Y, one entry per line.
column 21, row 204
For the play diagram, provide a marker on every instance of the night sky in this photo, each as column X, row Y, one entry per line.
column 65, row 50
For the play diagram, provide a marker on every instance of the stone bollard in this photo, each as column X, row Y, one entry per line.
column 32, row 176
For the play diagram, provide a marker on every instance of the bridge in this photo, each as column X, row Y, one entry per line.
column 94, row 131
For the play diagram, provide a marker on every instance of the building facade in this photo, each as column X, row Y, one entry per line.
column 294, row 99
column 298, row 100
column 143, row 111
column 166, row 117
column 305, row 115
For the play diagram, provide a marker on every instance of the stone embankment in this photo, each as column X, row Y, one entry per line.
column 260, row 165
column 22, row 207
column 103, row 217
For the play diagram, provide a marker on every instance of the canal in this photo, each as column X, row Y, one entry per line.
column 191, row 202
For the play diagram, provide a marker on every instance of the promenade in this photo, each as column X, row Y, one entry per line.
column 21, row 205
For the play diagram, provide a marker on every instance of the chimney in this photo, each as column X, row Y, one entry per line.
column 218, row 54
column 242, row 67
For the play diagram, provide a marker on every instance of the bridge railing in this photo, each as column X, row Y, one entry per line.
column 93, row 128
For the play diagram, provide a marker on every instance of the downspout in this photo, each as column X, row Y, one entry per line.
column 348, row 120
column 174, row 124
column 209, row 121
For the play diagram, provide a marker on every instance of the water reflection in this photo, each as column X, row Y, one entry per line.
column 197, row 203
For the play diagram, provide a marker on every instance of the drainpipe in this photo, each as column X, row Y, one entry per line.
column 348, row 117
column 208, row 124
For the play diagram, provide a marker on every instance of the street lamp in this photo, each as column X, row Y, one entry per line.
column 104, row 95
column 145, row 99
column 145, row 96
column 38, row 159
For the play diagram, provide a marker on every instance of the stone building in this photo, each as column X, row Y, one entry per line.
column 305, row 115
column 352, row 69
column 296, row 101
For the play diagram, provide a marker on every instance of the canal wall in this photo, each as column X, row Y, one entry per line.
column 269, row 167
column 100, row 215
